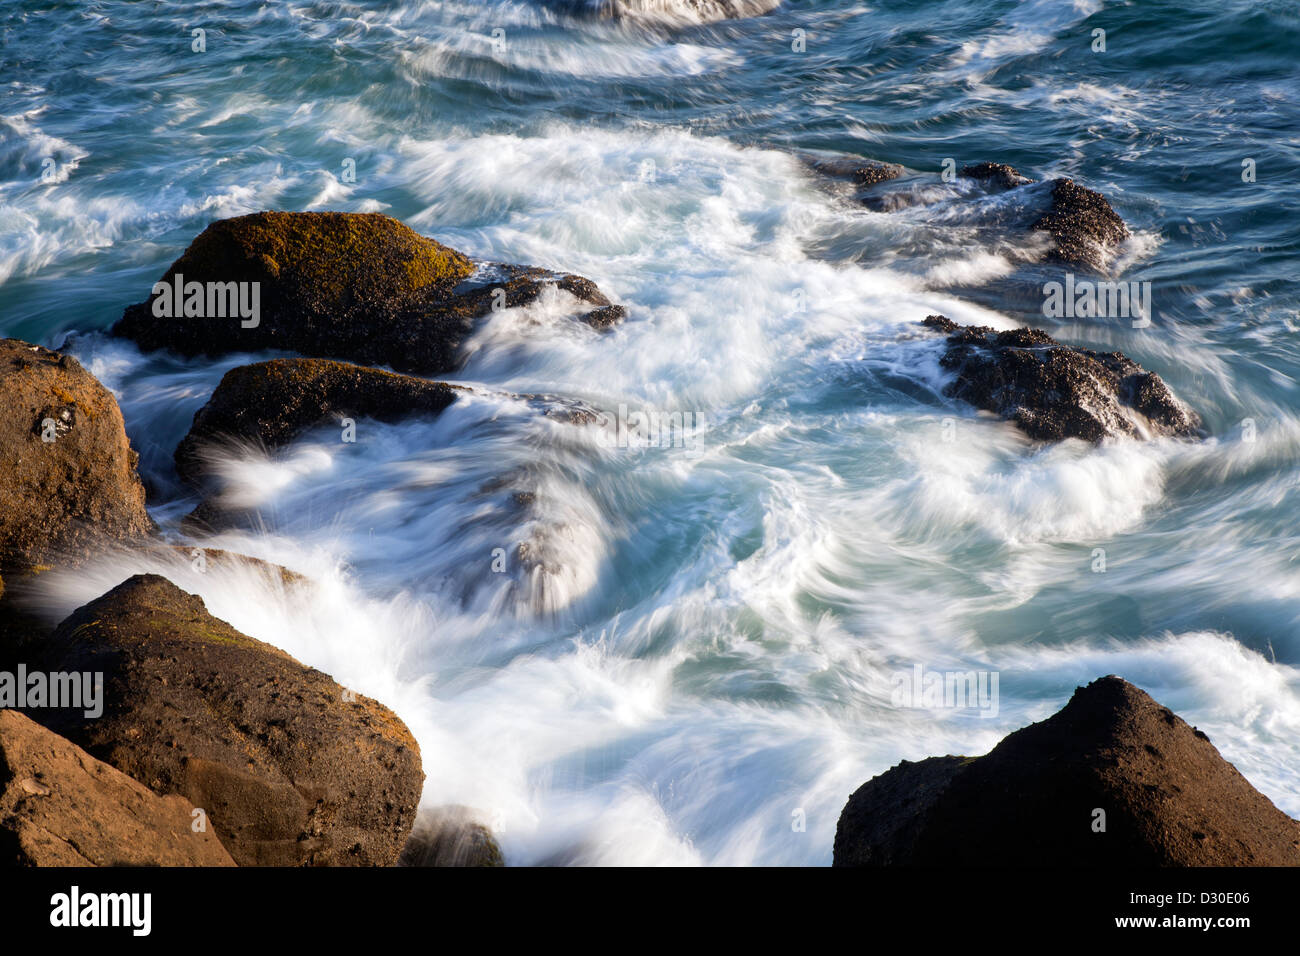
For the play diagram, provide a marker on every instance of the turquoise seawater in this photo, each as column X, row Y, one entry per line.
column 703, row 669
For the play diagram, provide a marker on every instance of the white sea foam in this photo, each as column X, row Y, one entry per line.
column 693, row 653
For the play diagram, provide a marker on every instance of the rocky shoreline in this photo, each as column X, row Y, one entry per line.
column 280, row 764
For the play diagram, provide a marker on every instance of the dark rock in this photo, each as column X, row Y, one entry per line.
column 20, row 628
column 605, row 317
column 1083, row 224
column 289, row 767
column 1168, row 796
column 451, row 836
column 359, row 287
column 860, row 172
column 878, row 825
column 59, row 806
column 995, row 174
column 60, row 497
column 1053, row 391
column 271, row 403
column 1081, row 221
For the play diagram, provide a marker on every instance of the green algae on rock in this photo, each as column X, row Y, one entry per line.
column 361, row 287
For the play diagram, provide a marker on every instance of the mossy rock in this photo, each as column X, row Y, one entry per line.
column 361, row 287
column 290, row 768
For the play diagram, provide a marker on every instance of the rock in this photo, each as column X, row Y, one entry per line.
column 358, row 287
column 289, row 767
column 20, row 629
column 1083, row 224
column 271, row 403
column 59, row 806
column 60, row 497
column 995, row 174
column 1081, row 221
column 220, row 559
column 1054, row 391
column 451, row 836
column 1168, row 797
column 860, row 172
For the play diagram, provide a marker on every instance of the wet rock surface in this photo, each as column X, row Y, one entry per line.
column 1167, row 796
column 451, row 836
column 1085, row 230
column 1053, row 391
column 360, row 287
column 995, row 174
column 270, row 403
column 67, row 471
column 1083, row 224
column 290, row 768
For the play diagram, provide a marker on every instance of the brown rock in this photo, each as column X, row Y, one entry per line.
column 67, row 472
column 290, row 768
column 358, row 287
column 59, row 806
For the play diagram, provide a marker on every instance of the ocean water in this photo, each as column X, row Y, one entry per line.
column 703, row 668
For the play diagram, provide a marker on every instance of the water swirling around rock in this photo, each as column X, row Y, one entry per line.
column 704, row 640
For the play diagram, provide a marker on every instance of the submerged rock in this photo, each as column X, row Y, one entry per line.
column 271, row 403
column 289, row 767
column 1113, row 779
column 59, row 806
column 451, row 836
column 1054, row 391
column 860, row 172
column 361, row 287
column 1080, row 220
column 996, row 174
column 67, row 471
column 1081, row 223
